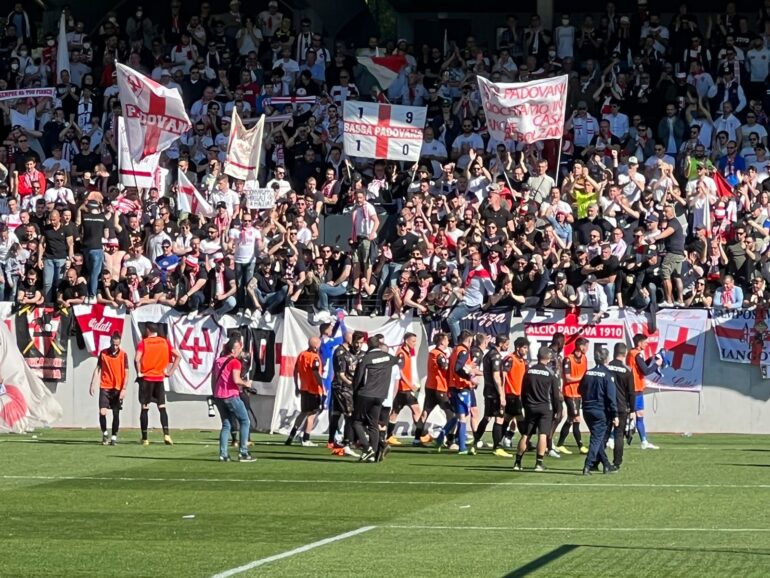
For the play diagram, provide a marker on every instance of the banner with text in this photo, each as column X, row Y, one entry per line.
column 493, row 321
column 383, row 131
column 97, row 324
column 258, row 198
column 742, row 335
column 525, row 112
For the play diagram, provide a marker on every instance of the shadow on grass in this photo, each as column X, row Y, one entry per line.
column 542, row 561
column 746, row 465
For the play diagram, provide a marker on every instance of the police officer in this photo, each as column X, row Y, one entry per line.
column 371, row 385
column 540, row 398
column 597, row 388
column 625, row 396
column 494, row 396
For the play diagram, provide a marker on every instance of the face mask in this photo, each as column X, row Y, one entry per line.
column 50, row 42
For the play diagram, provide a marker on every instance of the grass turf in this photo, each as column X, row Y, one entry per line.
column 71, row 507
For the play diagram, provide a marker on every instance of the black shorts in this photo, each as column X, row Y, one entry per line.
column 538, row 420
column 404, row 399
column 492, row 407
column 110, row 399
column 151, row 392
column 342, row 400
column 436, row 398
column 513, row 407
column 309, row 402
column 384, row 416
column 574, row 405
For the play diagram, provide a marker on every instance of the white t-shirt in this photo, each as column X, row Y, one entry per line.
column 363, row 220
column 61, row 194
column 245, row 244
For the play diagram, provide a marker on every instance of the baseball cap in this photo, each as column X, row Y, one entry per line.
column 423, row 169
column 130, row 271
column 226, row 119
column 560, row 276
column 166, row 243
column 681, row 75
column 290, row 252
column 423, row 274
column 652, row 218
column 336, row 249
column 401, row 221
column 591, row 278
column 580, row 249
column 633, row 161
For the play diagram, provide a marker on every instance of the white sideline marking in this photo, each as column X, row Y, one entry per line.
column 580, row 529
column 384, row 482
column 294, row 552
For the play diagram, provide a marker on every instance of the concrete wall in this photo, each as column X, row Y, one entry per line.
column 734, row 399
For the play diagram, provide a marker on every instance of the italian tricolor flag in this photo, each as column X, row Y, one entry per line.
column 384, row 69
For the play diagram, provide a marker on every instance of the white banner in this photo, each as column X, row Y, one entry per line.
column 97, row 324
column 199, row 341
column 25, row 402
column 62, row 48
column 141, row 174
column 682, row 334
column 526, row 112
column 155, row 115
column 189, row 199
column 244, row 148
column 258, row 198
column 383, row 131
column 27, row 93
column 742, row 335
column 296, row 332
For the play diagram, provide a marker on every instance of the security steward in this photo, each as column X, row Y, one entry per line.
column 494, row 394
column 540, row 397
column 597, row 388
column 371, row 385
column 625, row 396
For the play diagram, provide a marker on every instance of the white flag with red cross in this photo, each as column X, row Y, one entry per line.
column 244, row 148
column 155, row 115
column 97, row 324
column 134, row 173
column 383, row 131
column 190, row 200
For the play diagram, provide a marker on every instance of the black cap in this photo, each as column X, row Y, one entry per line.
column 401, row 221
column 591, row 278
column 290, row 252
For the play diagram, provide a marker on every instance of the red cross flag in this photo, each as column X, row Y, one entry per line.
column 155, row 115
column 383, row 131
column 244, row 148
column 190, row 200
column 97, row 324
column 134, row 173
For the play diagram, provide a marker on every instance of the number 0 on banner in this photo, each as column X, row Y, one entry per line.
column 383, row 131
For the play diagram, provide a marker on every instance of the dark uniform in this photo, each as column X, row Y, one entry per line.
column 597, row 388
column 540, row 398
column 625, row 397
column 556, row 365
column 492, row 364
column 477, row 356
column 371, row 385
column 344, row 363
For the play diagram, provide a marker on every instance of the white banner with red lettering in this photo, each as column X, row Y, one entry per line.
column 742, row 335
column 27, row 93
column 97, row 324
column 155, row 115
column 198, row 340
column 681, row 332
column 383, row 131
column 296, row 332
column 526, row 112
column 141, row 174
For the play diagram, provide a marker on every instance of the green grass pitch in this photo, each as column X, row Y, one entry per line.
column 70, row 507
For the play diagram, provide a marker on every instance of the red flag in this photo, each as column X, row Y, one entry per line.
column 723, row 187
column 385, row 69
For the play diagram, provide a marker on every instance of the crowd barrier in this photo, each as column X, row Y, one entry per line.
column 729, row 397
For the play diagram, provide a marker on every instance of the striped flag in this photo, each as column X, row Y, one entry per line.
column 189, row 199
column 384, row 69
column 244, row 148
column 279, row 100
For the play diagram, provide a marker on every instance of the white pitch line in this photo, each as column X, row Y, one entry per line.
column 384, row 482
column 294, row 552
column 578, row 529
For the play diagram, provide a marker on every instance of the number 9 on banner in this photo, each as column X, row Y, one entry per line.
column 383, row 131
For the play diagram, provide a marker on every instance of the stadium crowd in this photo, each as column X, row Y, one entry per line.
column 660, row 198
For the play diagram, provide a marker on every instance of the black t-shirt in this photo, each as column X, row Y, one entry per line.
column 499, row 217
column 610, row 268
column 336, row 267
column 228, row 276
column 93, row 225
column 68, row 291
column 343, row 363
column 28, row 289
column 85, row 162
column 402, row 247
column 55, row 242
column 675, row 243
column 491, row 365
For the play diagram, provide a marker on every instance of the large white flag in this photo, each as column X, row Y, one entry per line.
column 526, row 112
column 383, row 131
column 62, row 49
column 25, row 402
column 189, row 198
column 155, row 115
column 244, row 148
column 135, row 173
